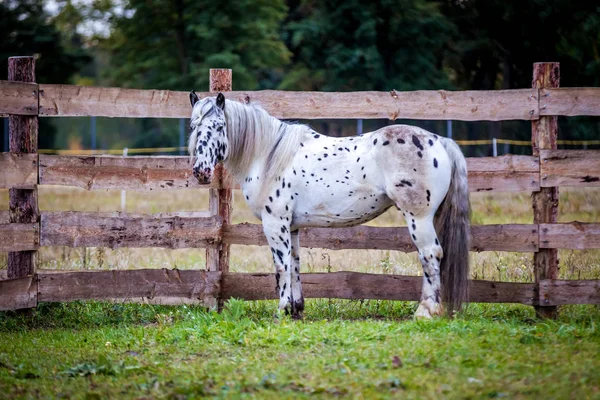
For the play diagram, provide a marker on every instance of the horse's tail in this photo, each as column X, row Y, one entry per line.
column 452, row 222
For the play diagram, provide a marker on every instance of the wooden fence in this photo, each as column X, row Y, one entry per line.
column 24, row 229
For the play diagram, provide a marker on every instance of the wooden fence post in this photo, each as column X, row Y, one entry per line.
column 23, row 138
column 544, row 133
column 219, row 200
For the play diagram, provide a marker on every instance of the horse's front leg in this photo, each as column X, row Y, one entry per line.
column 278, row 235
column 298, row 298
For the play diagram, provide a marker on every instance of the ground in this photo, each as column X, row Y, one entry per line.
column 366, row 349
column 363, row 349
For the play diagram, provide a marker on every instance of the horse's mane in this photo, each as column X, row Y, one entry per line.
column 255, row 135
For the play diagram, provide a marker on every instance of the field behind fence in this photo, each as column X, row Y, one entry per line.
column 24, row 229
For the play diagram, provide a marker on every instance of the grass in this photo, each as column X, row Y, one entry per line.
column 358, row 349
column 369, row 349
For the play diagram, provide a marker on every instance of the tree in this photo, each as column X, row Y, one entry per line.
column 27, row 30
column 172, row 43
column 366, row 45
column 497, row 43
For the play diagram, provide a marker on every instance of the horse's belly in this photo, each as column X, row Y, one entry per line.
column 340, row 211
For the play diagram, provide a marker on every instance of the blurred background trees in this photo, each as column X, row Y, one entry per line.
column 301, row 45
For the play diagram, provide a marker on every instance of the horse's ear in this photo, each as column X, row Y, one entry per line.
column 221, row 101
column 193, row 98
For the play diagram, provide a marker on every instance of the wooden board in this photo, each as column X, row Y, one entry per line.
column 556, row 293
column 508, row 173
column 180, row 287
column 356, row 285
column 580, row 168
column 18, row 293
column 510, row 237
column 503, row 174
column 64, row 100
column 18, row 170
column 570, row 101
column 118, row 172
column 18, row 98
column 170, row 230
column 19, row 237
column 4, row 217
column 72, row 101
column 141, row 284
column 574, row 235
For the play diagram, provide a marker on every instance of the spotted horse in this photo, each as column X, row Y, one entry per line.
column 293, row 177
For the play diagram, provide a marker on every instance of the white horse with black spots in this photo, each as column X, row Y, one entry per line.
column 293, row 177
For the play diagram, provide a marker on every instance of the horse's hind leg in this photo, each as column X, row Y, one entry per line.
column 297, row 297
column 425, row 238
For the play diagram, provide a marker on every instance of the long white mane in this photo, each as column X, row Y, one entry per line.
column 253, row 136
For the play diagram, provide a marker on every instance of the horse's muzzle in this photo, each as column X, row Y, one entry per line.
column 203, row 176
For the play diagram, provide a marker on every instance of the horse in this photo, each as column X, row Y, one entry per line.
column 293, row 177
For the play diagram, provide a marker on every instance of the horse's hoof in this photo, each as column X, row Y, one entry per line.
column 298, row 316
column 428, row 310
column 422, row 312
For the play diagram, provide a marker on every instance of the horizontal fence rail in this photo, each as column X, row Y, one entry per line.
column 517, row 104
column 113, row 230
column 18, row 98
column 62, row 100
column 165, row 286
column 508, row 173
column 198, row 230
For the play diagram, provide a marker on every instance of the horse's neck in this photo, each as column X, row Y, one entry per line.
column 254, row 161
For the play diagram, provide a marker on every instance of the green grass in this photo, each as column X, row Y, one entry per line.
column 370, row 349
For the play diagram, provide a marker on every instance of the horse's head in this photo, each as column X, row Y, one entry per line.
column 208, row 138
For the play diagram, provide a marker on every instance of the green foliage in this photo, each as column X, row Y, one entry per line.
column 365, row 45
column 27, row 31
column 172, row 44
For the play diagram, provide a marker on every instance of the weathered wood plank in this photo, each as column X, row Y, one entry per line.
column 4, row 217
column 64, row 100
column 142, row 284
column 117, row 172
column 18, row 293
column 570, row 101
column 570, row 168
column 574, row 235
column 18, row 98
column 356, row 285
column 170, row 230
column 18, row 170
column 503, row 181
column 510, row 237
column 73, row 101
column 556, row 293
column 22, row 138
column 508, row 173
column 505, row 174
column 19, row 237
column 544, row 134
